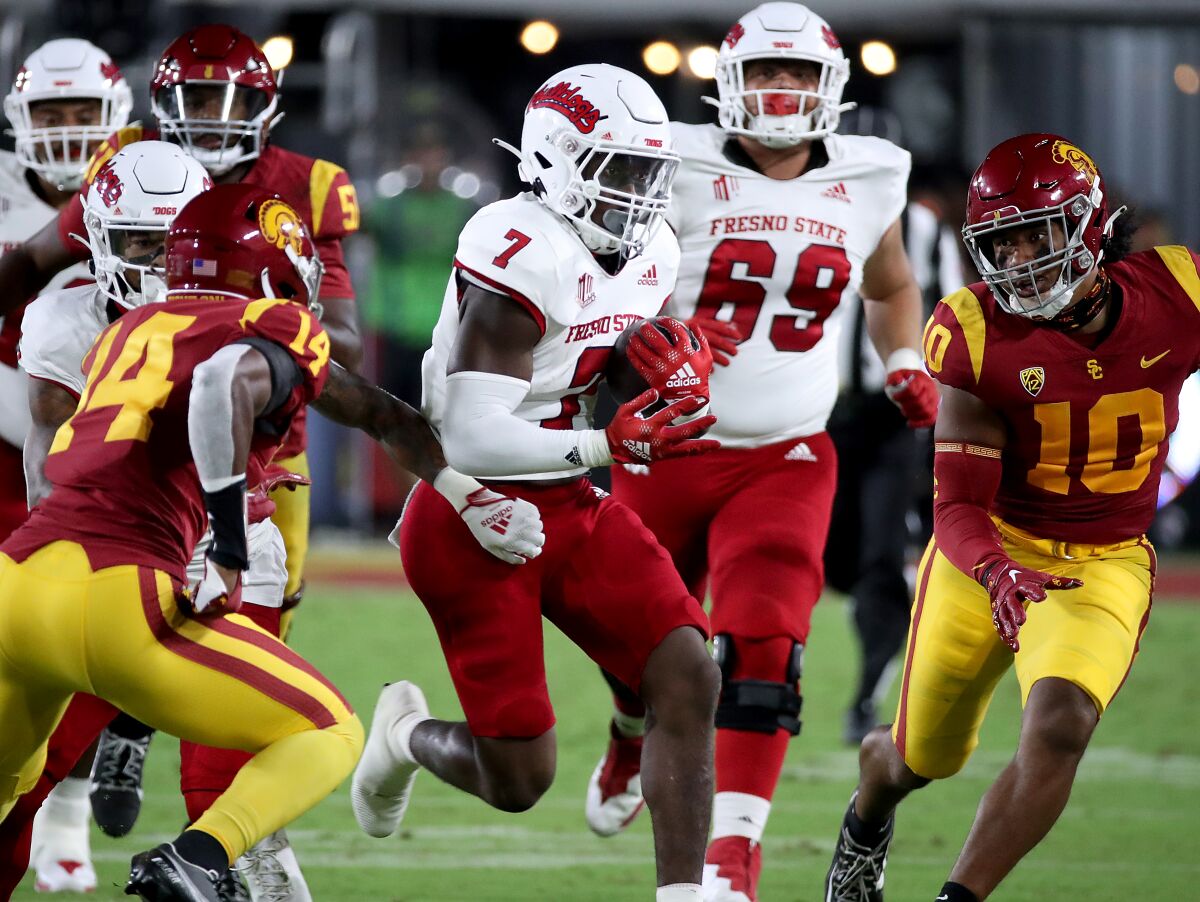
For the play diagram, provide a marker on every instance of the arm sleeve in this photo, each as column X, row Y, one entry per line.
column 481, row 437
column 966, row 478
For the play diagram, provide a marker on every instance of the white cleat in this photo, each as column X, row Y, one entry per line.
column 272, row 873
column 61, row 856
column 383, row 779
column 614, row 793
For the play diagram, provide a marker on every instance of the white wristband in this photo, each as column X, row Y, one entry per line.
column 455, row 487
column 593, row 448
column 905, row 359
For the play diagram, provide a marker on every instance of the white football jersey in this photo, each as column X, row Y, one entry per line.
column 22, row 215
column 58, row 330
column 518, row 248
column 777, row 258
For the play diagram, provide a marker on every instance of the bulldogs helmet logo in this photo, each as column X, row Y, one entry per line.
column 735, row 34
column 281, row 226
column 568, row 100
column 830, row 38
column 111, row 73
column 108, row 185
column 1066, row 152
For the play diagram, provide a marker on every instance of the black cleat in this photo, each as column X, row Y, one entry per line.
column 857, row 871
column 231, row 889
column 161, row 875
column 860, row 720
column 116, row 792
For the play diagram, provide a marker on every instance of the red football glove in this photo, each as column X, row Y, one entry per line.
column 722, row 337
column 1010, row 585
column 670, row 365
column 633, row 439
column 915, row 394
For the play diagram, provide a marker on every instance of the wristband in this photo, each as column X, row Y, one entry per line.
column 456, row 487
column 904, row 359
column 227, row 519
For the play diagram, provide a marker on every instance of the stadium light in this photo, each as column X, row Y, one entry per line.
column 661, row 57
column 703, row 61
column 539, row 37
column 278, row 51
column 1187, row 79
column 878, row 58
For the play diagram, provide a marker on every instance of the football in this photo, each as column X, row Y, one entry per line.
column 625, row 382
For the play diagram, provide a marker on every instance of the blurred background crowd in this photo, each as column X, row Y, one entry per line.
column 406, row 94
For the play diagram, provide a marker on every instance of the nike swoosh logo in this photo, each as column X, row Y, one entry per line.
column 942, row 898
column 1153, row 360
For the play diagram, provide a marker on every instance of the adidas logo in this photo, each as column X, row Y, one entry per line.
column 649, row 277
column 637, row 449
column 801, row 451
column 498, row 522
column 837, row 192
column 683, row 377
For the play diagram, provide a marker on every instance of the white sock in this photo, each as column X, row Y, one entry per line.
column 678, row 892
column 740, row 814
column 400, row 736
column 628, row 725
column 67, row 804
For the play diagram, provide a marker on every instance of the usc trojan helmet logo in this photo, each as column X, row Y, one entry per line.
column 281, row 226
column 1066, row 152
column 1033, row 378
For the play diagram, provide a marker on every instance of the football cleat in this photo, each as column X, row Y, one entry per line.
column 860, row 720
column 272, row 872
column 117, row 782
column 731, row 868
column 61, row 852
column 162, row 875
column 383, row 780
column 857, row 871
column 614, row 793
column 230, row 887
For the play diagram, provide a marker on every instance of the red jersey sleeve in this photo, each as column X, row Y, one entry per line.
column 335, row 282
column 296, row 330
column 335, row 214
column 954, row 341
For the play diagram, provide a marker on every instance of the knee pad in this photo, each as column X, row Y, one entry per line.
column 760, row 706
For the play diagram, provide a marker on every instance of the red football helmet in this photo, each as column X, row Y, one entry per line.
column 1027, row 180
column 215, row 94
column 242, row 241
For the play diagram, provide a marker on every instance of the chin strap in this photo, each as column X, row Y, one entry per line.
column 1086, row 308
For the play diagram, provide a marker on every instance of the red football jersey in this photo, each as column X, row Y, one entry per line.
column 1088, row 428
column 125, row 485
column 320, row 191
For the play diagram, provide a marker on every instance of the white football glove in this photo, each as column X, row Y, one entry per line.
column 209, row 596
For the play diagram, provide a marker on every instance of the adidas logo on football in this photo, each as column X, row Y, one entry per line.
column 837, row 192
column 683, row 377
column 649, row 277
column 637, row 449
column 801, row 451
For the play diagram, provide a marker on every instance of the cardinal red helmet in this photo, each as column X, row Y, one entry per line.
column 215, row 94
column 1029, row 180
column 242, row 242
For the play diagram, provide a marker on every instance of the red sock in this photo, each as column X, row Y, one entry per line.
column 746, row 761
column 205, row 773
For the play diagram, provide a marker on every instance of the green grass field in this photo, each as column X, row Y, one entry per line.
column 1128, row 834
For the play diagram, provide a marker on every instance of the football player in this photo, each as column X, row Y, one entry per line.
column 155, row 179
column 543, row 284
column 778, row 219
column 68, row 97
column 214, row 93
column 1059, row 376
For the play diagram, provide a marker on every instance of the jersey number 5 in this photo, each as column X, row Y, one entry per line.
column 822, row 274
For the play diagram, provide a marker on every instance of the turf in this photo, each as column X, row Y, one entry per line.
column 1128, row 833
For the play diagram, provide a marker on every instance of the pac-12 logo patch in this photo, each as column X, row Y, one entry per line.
column 1033, row 378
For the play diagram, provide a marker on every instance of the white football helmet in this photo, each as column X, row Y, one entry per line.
column 596, row 147
column 127, row 209
column 785, row 31
column 65, row 69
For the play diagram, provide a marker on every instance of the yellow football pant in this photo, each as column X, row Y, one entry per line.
column 1087, row 636
column 291, row 517
column 117, row 633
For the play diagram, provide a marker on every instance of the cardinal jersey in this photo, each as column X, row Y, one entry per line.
column 777, row 258
column 128, row 438
column 22, row 215
column 318, row 190
column 518, row 248
column 1088, row 428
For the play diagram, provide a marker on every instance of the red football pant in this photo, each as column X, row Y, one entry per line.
column 751, row 524
column 601, row 578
